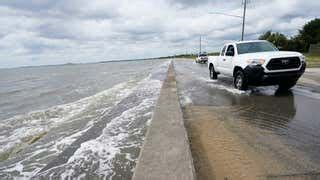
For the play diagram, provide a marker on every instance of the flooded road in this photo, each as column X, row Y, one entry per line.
column 254, row 134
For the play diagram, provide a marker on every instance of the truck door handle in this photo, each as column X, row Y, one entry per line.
column 223, row 59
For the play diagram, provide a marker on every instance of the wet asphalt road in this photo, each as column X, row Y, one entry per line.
column 283, row 125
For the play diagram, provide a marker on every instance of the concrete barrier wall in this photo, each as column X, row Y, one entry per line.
column 166, row 153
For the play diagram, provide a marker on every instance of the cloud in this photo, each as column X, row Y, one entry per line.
column 38, row 32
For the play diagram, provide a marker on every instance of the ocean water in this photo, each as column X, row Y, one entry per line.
column 80, row 121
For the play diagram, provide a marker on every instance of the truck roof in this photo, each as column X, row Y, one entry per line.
column 239, row 42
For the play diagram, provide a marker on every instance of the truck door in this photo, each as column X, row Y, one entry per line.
column 226, row 63
column 219, row 59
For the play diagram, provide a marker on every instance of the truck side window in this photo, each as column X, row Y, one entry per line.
column 223, row 50
column 231, row 49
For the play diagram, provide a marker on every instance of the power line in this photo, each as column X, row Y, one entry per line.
column 244, row 2
column 226, row 14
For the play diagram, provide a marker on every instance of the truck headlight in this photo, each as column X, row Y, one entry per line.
column 303, row 58
column 255, row 61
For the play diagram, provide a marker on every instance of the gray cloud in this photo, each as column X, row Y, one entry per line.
column 32, row 5
column 190, row 2
column 38, row 32
column 213, row 3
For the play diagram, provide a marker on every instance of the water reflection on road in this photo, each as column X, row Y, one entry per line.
column 286, row 125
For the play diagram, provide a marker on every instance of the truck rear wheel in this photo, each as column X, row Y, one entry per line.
column 212, row 73
column 240, row 81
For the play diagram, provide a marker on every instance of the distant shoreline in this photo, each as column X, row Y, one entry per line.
column 66, row 64
column 187, row 56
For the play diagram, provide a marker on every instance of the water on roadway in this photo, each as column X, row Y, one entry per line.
column 281, row 128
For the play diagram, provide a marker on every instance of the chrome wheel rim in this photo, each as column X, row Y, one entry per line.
column 238, row 82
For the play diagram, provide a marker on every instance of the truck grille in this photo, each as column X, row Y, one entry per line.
column 284, row 63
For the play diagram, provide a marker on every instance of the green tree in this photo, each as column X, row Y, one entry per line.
column 310, row 33
column 266, row 35
column 296, row 44
column 278, row 39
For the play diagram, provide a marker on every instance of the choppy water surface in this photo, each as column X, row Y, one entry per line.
column 76, row 120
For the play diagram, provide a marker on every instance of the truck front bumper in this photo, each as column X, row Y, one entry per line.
column 203, row 60
column 256, row 76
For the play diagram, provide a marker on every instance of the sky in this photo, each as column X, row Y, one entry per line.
column 42, row 32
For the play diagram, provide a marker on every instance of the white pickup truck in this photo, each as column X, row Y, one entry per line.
column 257, row 63
column 202, row 58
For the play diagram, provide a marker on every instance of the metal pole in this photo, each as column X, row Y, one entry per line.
column 244, row 19
column 200, row 45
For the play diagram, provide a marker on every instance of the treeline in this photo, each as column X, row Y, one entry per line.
column 309, row 34
column 188, row 55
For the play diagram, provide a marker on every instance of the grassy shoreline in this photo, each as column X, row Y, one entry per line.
column 313, row 61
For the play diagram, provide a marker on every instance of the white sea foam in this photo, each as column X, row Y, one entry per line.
column 108, row 145
column 103, row 150
column 218, row 85
column 25, row 126
column 93, row 108
column 185, row 98
column 43, row 121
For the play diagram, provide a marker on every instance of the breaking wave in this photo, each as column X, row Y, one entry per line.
column 28, row 142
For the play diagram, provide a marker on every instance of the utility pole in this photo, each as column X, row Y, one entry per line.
column 200, row 45
column 244, row 19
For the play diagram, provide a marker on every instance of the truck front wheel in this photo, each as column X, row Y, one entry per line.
column 240, row 81
column 212, row 73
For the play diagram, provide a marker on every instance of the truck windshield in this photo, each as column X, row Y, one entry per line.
column 252, row 47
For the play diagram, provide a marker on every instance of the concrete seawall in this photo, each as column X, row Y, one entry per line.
column 166, row 152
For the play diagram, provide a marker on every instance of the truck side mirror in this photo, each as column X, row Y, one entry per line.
column 230, row 53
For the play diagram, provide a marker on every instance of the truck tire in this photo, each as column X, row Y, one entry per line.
column 240, row 81
column 285, row 86
column 212, row 73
